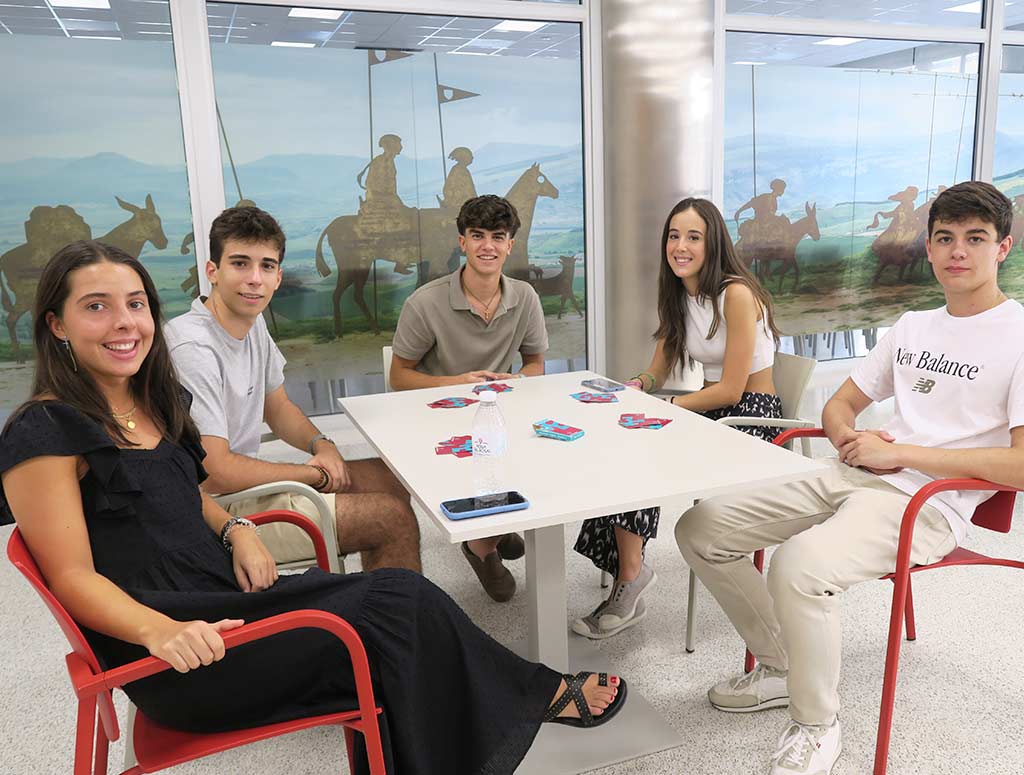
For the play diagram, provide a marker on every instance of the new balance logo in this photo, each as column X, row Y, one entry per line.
column 924, row 386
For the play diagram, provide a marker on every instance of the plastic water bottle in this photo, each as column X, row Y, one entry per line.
column 490, row 442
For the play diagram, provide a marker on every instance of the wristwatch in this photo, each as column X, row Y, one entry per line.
column 319, row 437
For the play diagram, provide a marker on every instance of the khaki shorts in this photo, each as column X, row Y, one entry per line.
column 288, row 544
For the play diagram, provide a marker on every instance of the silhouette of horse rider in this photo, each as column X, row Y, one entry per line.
column 458, row 186
column 766, row 229
column 382, row 212
column 895, row 245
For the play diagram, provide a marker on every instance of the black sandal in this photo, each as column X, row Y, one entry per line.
column 574, row 693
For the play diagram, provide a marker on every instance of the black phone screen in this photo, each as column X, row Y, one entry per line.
column 463, row 505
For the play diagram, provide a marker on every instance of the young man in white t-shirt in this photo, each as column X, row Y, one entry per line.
column 957, row 374
column 224, row 356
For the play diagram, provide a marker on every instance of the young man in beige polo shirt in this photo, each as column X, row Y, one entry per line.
column 466, row 328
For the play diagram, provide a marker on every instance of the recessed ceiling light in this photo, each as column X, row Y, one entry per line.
column 80, row 4
column 94, row 37
column 292, row 44
column 315, row 13
column 470, row 53
column 974, row 7
column 837, row 41
column 749, row 63
column 510, row 25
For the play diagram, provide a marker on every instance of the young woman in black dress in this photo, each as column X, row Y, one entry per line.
column 101, row 471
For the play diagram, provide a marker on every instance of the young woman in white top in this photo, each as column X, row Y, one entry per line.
column 711, row 309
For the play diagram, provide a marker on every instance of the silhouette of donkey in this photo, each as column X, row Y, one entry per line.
column 47, row 230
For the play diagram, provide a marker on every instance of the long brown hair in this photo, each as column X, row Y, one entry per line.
column 721, row 267
column 154, row 386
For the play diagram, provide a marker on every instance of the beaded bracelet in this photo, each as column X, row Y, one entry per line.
column 643, row 385
column 230, row 525
column 325, row 479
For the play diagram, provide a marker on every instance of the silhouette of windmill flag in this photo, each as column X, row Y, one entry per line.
column 451, row 94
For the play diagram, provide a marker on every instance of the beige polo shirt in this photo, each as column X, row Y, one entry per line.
column 439, row 329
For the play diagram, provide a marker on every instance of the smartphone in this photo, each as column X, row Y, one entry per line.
column 482, row 505
column 604, row 385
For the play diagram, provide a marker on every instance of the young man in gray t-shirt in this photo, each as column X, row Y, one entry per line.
column 466, row 328
column 224, row 355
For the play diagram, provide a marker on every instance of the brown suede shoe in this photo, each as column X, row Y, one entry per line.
column 494, row 577
column 511, row 546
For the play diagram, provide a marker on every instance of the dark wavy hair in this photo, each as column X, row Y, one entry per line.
column 491, row 212
column 721, row 267
column 973, row 199
column 154, row 387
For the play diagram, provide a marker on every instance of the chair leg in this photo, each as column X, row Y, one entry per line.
column 350, row 747
column 102, row 750
column 748, row 658
column 691, row 612
column 84, row 730
column 892, row 661
column 606, row 579
column 911, row 627
column 129, row 738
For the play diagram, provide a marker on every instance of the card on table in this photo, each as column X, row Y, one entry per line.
column 595, row 398
column 552, row 429
column 451, row 403
column 497, row 387
column 632, row 421
column 459, row 446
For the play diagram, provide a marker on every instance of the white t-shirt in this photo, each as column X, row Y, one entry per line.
column 958, row 383
column 229, row 378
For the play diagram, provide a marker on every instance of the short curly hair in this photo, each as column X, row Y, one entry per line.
column 490, row 212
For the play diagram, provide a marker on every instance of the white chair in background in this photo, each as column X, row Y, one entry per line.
column 385, row 352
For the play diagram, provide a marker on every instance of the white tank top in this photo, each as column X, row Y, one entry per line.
column 711, row 352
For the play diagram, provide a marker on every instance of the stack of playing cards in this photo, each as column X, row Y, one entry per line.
column 641, row 421
column 497, row 387
column 451, row 403
column 596, row 398
column 556, row 430
column 460, row 446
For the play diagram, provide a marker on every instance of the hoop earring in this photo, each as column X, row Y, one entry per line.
column 71, row 355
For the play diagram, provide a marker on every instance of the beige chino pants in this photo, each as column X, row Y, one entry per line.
column 834, row 531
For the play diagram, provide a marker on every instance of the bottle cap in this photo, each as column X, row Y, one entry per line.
column 488, row 397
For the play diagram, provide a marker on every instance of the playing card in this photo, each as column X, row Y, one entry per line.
column 595, row 398
column 553, row 429
column 497, row 387
column 459, row 446
column 451, row 403
column 632, row 421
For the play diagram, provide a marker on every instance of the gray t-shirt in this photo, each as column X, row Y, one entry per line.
column 229, row 378
column 439, row 329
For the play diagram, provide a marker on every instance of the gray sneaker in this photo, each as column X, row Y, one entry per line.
column 762, row 688
column 623, row 608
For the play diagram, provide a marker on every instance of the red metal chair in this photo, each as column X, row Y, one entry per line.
column 157, row 747
column 994, row 514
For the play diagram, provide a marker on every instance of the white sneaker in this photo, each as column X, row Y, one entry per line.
column 762, row 688
column 807, row 750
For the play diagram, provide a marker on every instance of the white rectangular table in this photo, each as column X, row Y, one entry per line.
column 609, row 470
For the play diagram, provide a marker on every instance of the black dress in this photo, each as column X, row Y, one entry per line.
column 455, row 701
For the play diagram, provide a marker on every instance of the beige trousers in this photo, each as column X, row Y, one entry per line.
column 288, row 544
column 835, row 531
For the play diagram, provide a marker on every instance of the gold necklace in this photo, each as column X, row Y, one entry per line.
column 487, row 314
column 127, row 417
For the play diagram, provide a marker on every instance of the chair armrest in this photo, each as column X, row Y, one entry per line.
column 764, row 422
column 327, row 525
column 323, row 559
column 798, row 433
column 88, row 684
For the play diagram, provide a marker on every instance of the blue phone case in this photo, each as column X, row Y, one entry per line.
column 591, row 383
column 485, row 512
